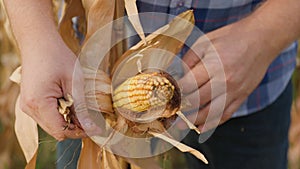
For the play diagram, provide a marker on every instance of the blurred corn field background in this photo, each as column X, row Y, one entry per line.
column 11, row 156
column 294, row 150
column 10, row 152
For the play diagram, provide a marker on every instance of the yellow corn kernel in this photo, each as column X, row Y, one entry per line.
column 143, row 91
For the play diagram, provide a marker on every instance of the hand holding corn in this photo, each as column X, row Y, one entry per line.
column 47, row 66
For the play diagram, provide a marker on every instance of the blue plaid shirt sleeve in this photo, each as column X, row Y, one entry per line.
column 213, row 14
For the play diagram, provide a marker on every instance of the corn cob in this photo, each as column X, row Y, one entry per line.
column 146, row 91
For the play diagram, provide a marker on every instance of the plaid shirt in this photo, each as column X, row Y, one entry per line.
column 213, row 14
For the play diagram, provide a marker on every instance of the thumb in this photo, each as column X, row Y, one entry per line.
column 80, row 110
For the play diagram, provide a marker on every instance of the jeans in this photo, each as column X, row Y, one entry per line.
column 68, row 152
column 256, row 141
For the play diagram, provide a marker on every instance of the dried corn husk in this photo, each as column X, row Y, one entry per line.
column 28, row 134
column 162, row 45
column 90, row 156
column 71, row 9
column 127, row 94
column 99, row 84
column 25, row 128
column 180, row 146
column 132, row 13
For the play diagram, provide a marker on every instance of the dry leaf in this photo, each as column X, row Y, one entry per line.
column 97, row 90
column 132, row 166
column 118, row 33
column 188, row 122
column 72, row 8
column 162, row 46
column 180, row 146
column 133, row 17
column 145, row 163
column 109, row 160
column 100, row 13
column 16, row 75
column 27, row 134
column 90, row 156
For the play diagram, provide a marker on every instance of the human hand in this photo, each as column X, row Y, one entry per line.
column 47, row 69
column 47, row 75
column 226, row 72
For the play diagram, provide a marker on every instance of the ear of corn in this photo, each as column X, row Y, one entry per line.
column 143, row 92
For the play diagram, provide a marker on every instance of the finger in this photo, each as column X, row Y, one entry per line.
column 226, row 115
column 209, row 125
column 194, row 118
column 207, row 92
column 192, row 101
column 213, row 110
column 196, row 53
column 214, row 122
column 191, row 58
column 195, row 78
column 202, row 115
column 80, row 107
column 232, row 108
column 200, row 97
